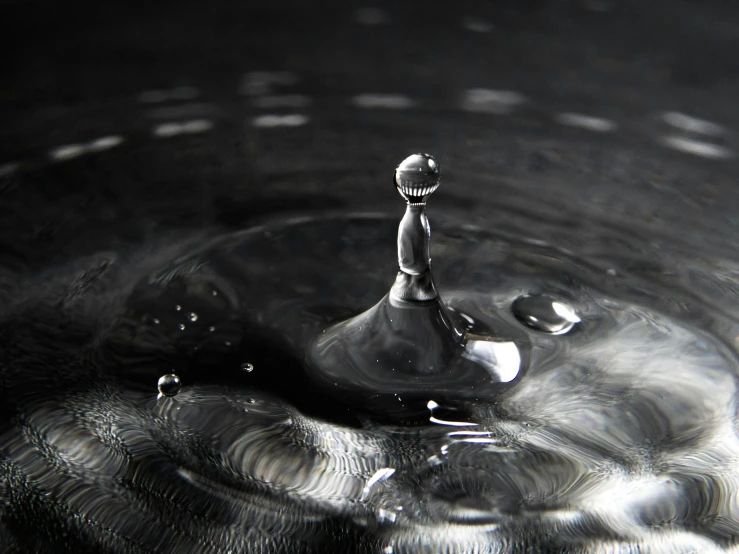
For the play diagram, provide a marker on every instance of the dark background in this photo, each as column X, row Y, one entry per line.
column 74, row 72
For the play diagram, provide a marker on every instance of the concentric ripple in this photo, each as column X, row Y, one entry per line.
column 618, row 435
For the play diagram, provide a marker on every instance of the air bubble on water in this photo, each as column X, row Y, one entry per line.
column 156, row 321
column 212, row 328
column 169, row 385
column 192, row 316
column 250, row 401
column 182, row 326
column 178, row 307
column 246, row 366
column 545, row 313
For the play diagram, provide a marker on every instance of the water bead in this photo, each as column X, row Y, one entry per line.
column 169, row 384
column 417, row 177
column 545, row 313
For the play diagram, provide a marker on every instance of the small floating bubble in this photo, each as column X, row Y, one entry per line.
column 545, row 313
column 250, row 401
column 246, row 366
column 182, row 326
column 192, row 316
column 212, row 328
column 169, row 385
column 214, row 293
column 156, row 321
column 178, row 307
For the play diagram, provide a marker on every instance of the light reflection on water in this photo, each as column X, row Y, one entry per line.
column 620, row 434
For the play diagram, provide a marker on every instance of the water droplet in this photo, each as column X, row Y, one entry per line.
column 182, row 326
column 545, row 313
column 250, row 401
column 246, row 366
column 212, row 328
column 214, row 293
column 417, row 177
column 192, row 316
column 169, row 385
column 156, row 321
column 178, row 307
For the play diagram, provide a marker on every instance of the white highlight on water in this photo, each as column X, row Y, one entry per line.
column 370, row 16
column 697, row 147
column 171, row 129
column 433, row 419
column 501, row 359
column 105, row 143
column 197, row 126
column 491, row 101
column 432, row 405
column 591, row 123
column 380, row 100
column 70, row 151
column 565, row 312
column 692, row 124
column 67, row 152
column 268, row 121
column 477, row 24
column 379, row 475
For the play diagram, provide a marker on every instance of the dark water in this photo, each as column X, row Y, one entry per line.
column 201, row 193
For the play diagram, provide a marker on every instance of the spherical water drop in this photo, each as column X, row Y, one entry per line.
column 178, row 307
column 246, row 366
column 212, row 328
column 169, row 385
column 182, row 326
column 545, row 313
column 417, row 177
column 192, row 316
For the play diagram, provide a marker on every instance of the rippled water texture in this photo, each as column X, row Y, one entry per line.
column 621, row 433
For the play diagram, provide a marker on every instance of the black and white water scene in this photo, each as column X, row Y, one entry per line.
column 384, row 278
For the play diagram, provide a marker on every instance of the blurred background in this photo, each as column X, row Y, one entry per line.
column 134, row 120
